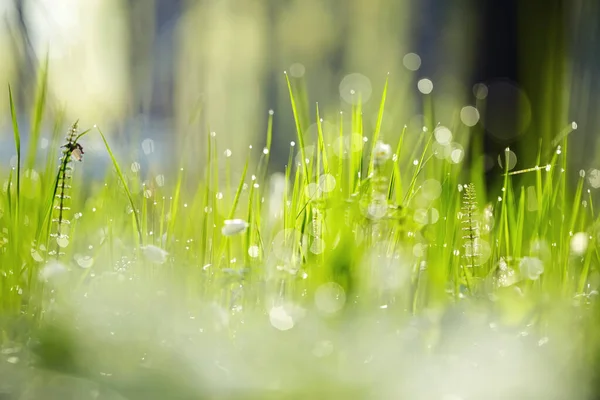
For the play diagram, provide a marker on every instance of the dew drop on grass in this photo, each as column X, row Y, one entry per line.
column 411, row 61
column 442, row 135
column 62, row 241
column 160, row 180
column 456, row 156
column 253, row 251
column 531, row 268
column 154, row 254
column 84, row 262
column 35, row 254
column 317, row 246
column 135, row 167
column 593, row 177
column 147, row 193
column 377, row 209
column 579, row 243
column 330, row 298
column 418, row 250
column 469, row 116
column 219, row 196
column 280, row 319
column 509, row 157
column 148, row 146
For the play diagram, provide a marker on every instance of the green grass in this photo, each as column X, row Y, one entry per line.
column 360, row 270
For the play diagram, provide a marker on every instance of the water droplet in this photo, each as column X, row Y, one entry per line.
column 330, row 298
column 425, row 86
column 280, row 319
column 148, row 146
column 469, row 116
column 507, row 156
column 531, row 268
column 355, row 88
column 35, row 254
column 52, row 270
column 480, row 91
column 579, row 243
column 265, row 151
column 147, row 193
column 135, row 167
column 443, row 135
column 219, row 196
column 425, row 217
column 62, row 241
column 227, row 153
column 253, row 251
column 297, row 70
column 154, row 254
column 84, row 262
column 431, row 189
column 411, row 61
column 160, row 180
column 327, row 183
column 594, row 178
column 317, row 246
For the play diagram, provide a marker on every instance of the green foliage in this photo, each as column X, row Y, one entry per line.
column 351, row 232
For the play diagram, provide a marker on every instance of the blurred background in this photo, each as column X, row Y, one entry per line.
column 148, row 68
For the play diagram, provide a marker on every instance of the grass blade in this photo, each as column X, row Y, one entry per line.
column 124, row 182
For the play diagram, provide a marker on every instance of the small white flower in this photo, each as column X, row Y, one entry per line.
column 154, row 254
column 382, row 153
column 234, row 226
column 531, row 268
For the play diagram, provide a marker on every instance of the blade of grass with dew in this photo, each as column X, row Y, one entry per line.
column 125, row 186
column 207, row 201
column 300, row 134
column 321, row 144
column 39, row 105
column 378, row 125
column 395, row 188
column 17, row 138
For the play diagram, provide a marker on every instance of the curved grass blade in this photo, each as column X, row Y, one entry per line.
column 127, row 191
